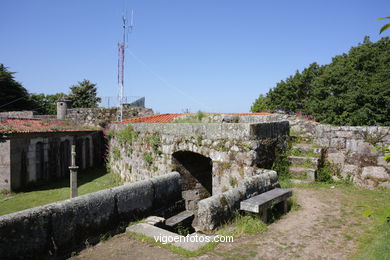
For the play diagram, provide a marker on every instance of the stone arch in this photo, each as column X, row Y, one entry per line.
column 196, row 172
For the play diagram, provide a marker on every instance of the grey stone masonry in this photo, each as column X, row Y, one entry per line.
column 54, row 229
column 96, row 116
column 232, row 151
column 218, row 208
column 349, row 148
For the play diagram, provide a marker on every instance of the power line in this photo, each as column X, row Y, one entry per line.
column 11, row 102
column 166, row 83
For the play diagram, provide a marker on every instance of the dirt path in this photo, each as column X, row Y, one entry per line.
column 312, row 232
column 315, row 231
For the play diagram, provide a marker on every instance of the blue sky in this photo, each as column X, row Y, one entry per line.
column 209, row 55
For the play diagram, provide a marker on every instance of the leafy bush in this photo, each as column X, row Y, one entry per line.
column 325, row 173
column 126, row 135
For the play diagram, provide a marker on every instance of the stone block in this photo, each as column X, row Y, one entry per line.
column 336, row 158
column 167, row 189
column 361, row 159
column 155, row 221
column 73, row 220
column 134, row 198
column 349, row 170
column 264, row 200
column 216, row 209
column 25, row 233
column 325, row 142
column 344, row 134
column 219, row 156
column 338, row 143
column 385, row 184
column 375, row 173
column 358, row 146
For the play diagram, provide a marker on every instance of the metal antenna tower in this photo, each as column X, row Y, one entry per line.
column 121, row 61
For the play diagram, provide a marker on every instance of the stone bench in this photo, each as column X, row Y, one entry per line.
column 260, row 203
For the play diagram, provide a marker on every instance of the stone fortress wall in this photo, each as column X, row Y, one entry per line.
column 232, row 151
column 350, row 148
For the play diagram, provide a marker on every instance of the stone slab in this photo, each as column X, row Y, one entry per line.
column 179, row 218
column 155, row 221
column 266, row 199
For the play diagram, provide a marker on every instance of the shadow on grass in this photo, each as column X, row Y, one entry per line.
column 83, row 177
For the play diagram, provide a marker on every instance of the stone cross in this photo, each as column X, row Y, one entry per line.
column 73, row 174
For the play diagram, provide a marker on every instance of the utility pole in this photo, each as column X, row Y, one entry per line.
column 121, row 62
column 73, row 173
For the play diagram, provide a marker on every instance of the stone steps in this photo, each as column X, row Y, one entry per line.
column 302, row 161
column 304, row 166
column 307, row 148
column 302, row 172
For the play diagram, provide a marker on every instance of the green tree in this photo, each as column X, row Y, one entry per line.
column 14, row 97
column 290, row 95
column 84, row 94
column 46, row 104
column 354, row 89
column 261, row 104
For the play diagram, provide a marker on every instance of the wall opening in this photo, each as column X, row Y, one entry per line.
column 40, row 161
column 196, row 172
column 87, row 153
column 64, row 157
column 79, row 153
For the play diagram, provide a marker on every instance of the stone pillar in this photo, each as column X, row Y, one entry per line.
column 73, row 174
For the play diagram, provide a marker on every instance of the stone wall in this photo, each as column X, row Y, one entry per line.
column 54, row 229
column 96, row 116
column 217, row 209
column 18, row 114
column 235, row 151
column 350, row 148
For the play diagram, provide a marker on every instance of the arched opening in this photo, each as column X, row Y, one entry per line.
column 196, row 172
column 79, row 153
column 87, row 154
column 64, row 157
column 23, row 170
column 40, row 161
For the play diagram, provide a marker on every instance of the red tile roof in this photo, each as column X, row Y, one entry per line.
column 38, row 126
column 248, row 114
column 160, row 118
column 166, row 118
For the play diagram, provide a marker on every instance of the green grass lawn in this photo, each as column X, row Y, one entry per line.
column 88, row 181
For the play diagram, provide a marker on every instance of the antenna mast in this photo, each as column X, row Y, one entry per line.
column 121, row 62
